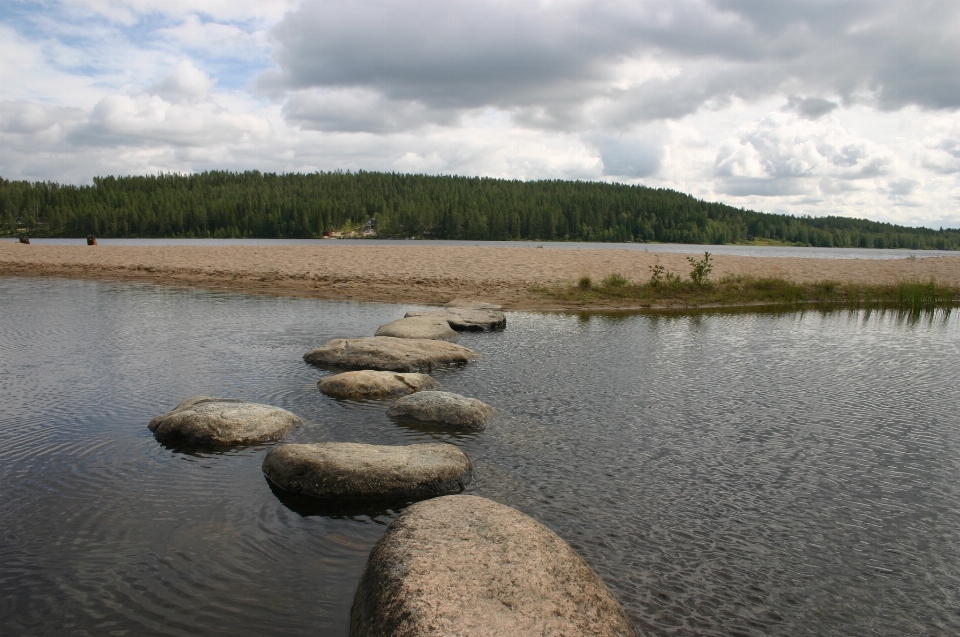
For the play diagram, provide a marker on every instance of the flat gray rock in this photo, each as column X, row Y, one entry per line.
column 390, row 354
column 466, row 319
column 223, row 422
column 444, row 409
column 433, row 327
column 346, row 470
column 463, row 566
column 369, row 383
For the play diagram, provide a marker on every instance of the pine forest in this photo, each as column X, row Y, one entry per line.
column 265, row 205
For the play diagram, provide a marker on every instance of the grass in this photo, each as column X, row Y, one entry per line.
column 672, row 291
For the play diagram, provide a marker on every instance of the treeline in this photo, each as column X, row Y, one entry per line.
column 266, row 205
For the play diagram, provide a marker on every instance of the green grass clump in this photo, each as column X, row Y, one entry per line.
column 614, row 280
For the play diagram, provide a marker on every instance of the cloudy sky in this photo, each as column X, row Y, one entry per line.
column 806, row 107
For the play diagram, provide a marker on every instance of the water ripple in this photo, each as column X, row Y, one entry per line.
column 750, row 474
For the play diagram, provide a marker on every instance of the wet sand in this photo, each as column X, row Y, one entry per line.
column 425, row 274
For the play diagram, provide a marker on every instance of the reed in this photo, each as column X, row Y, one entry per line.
column 665, row 289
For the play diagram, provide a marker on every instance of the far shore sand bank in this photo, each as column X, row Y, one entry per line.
column 428, row 274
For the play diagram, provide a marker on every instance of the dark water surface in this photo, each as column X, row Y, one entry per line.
column 726, row 474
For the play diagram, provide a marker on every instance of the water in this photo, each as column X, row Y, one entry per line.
column 726, row 474
column 677, row 248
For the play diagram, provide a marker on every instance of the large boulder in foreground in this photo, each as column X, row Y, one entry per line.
column 433, row 327
column 223, row 422
column 466, row 319
column 369, row 383
column 443, row 409
column 466, row 566
column 390, row 354
column 346, row 470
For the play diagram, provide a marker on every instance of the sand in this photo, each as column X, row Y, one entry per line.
column 425, row 274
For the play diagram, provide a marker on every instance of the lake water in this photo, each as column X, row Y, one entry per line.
column 725, row 474
column 679, row 248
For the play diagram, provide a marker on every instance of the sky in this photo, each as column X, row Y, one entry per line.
column 808, row 107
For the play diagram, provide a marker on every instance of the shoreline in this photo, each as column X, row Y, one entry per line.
column 433, row 275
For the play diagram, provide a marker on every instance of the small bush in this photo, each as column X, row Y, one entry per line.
column 585, row 283
column 701, row 269
column 657, row 274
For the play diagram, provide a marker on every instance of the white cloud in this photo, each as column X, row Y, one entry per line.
column 213, row 38
column 786, row 147
column 142, row 118
column 185, row 82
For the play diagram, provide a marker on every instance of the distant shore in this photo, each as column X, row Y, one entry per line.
column 433, row 274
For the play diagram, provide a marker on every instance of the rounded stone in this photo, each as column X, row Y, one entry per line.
column 463, row 565
column 441, row 408
column 370, row 383
column 466, row 319
column 390, row 354
column 223, row 422
column 432, row 327
column 349, row 470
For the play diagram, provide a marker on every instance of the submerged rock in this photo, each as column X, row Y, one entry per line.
column 349, row 470
column 369, row 383
column 432, row 327
column 466, row 319
column 390, row 354
column 444, row 409
column 463, row 565
column 223, row 422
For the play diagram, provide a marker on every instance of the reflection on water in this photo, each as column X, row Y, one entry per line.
column 726, row 474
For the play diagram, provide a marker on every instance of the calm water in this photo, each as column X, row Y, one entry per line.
column 726, row 474
column 681, row 248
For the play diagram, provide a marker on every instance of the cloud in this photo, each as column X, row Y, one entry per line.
column 629, row 156
column 810, row 107
column 29, row 118
column 185, row 82
column 213, row 38
column 942, row 154
column 548, row 63
column 131, row 12
column 145, row 119
column 358, row 110
column 176, row 111
column 786, row 154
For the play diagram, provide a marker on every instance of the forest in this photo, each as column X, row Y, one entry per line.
column 265, row 205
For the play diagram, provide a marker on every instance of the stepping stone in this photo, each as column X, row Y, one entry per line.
column 464, row 565
column 223, row 422
column 369, row 383
column 432, row 327
column 348, row 470
column 466, row 319
column 443, row 409
column 390, row 354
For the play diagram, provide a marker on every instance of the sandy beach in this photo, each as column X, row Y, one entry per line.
column 425, row 274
